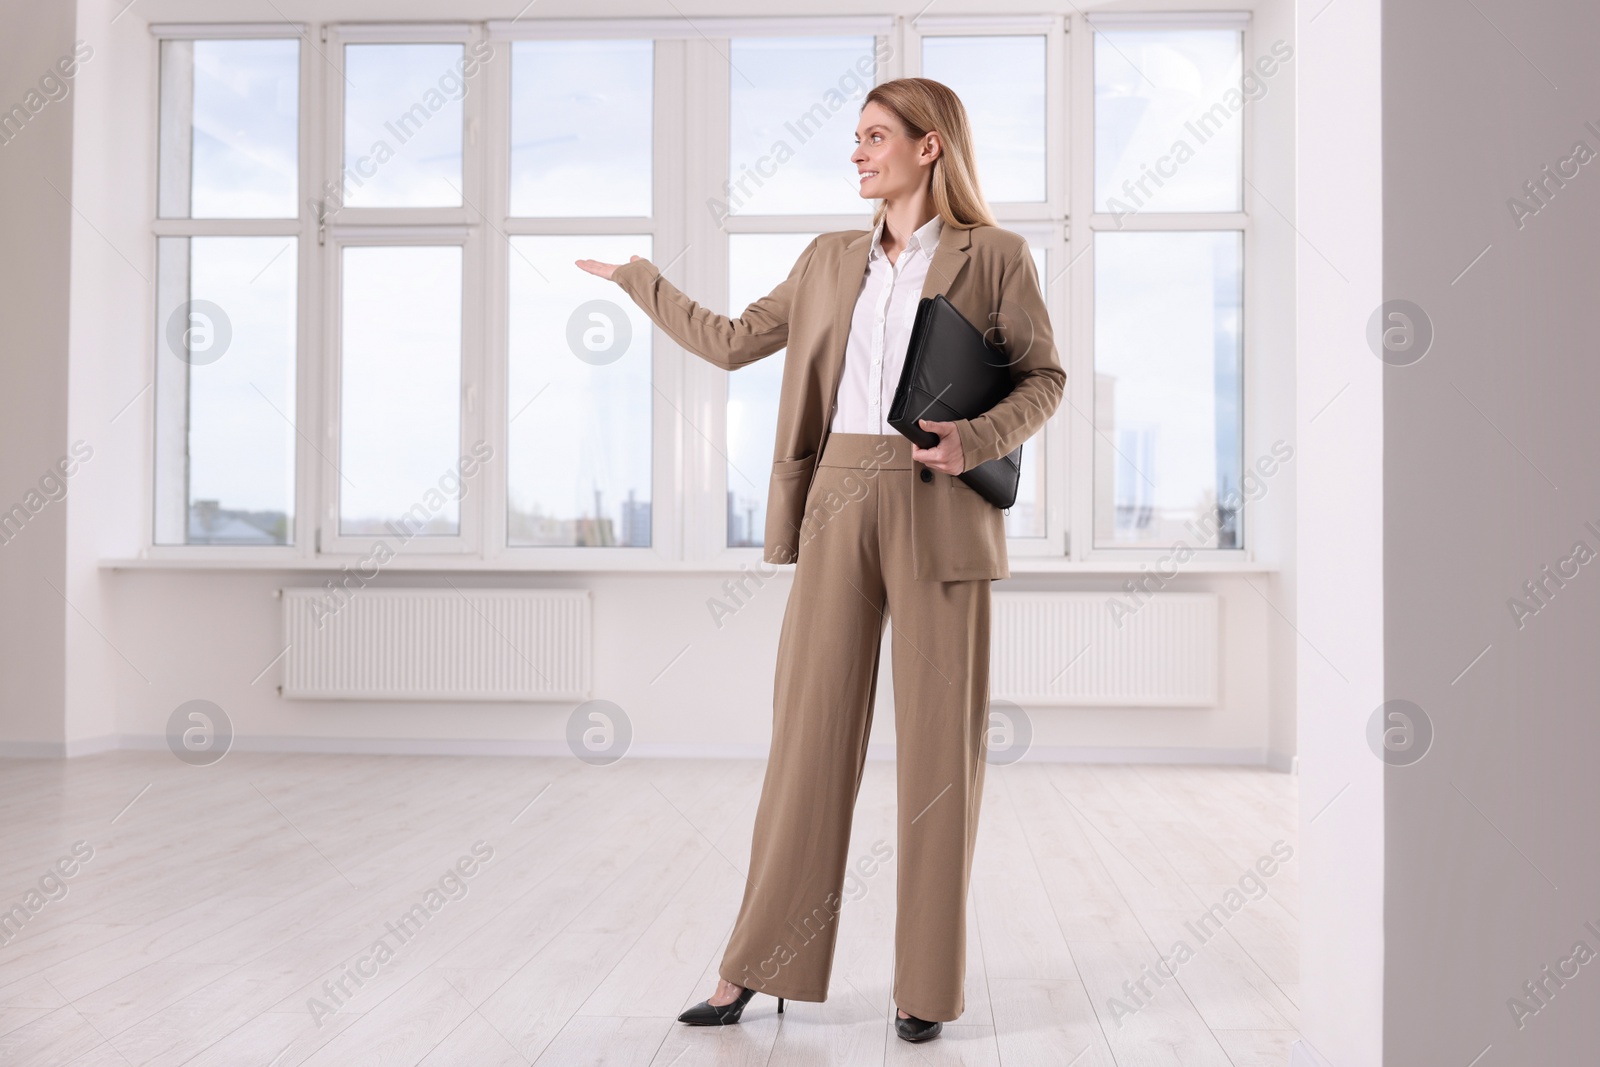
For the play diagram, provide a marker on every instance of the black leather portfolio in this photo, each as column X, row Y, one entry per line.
column 953, row 372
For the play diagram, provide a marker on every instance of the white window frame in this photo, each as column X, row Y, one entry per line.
column 470, row 403
column 398, row 227
column 713, row 99
column 668, row 509
column 303, row 523
column 1085, row 224
column 1044, row 225
column 688, row 494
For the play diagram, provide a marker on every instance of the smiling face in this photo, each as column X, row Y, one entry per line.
column 890, row 164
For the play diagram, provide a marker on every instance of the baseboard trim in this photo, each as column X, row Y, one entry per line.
column 1283, row 762
column 411, row 746
column 83, row 746
column 1251, row 757
column 32, row 750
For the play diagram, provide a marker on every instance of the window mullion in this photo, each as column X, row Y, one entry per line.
column 705, row 273
column 494, row 251
column 1080, row 292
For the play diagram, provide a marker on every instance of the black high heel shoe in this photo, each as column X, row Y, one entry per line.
column 706, row 1013
column 915, row 1029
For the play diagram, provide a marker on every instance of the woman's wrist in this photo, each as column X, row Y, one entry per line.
column 641, row 263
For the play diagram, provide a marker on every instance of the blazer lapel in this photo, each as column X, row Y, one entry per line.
column 948, row 259
column 846, row 288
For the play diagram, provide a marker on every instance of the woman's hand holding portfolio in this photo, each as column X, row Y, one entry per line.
column 946, row 455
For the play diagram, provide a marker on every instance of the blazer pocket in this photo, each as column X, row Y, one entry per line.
column 783, row 468
column 957, row 485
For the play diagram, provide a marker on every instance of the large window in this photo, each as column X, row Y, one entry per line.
column 579, row 399
column 1168, row 286
column 401, row 299
column 399, row 379
column 226, row 293
column 757, row 263
column 1002, row 80
column 793, row 104
column 230, row 129
column 580, row 137
column 1167, row 386
column 371, row 325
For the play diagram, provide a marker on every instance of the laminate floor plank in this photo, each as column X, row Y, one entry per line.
column 223, row 915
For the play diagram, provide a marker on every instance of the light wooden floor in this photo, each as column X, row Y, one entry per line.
column 218, row 902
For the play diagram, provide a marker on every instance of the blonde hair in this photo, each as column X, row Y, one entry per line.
column 921, row 105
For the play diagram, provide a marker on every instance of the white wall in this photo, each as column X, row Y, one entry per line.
column 149, row 640
column 36, row 219
column 1489, row 477
column 1270, row 395
column 113, row 300
column 1339, row 531
column 685, row 683
column 171, row 636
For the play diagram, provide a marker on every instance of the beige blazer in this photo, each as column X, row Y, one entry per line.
column 986, row 272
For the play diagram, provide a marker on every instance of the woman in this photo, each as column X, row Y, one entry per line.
column 874, row 525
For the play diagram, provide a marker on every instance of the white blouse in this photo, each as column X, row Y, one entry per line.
column 880, row 331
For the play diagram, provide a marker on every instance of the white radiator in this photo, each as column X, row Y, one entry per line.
column 437, row 644
column 1066, row 648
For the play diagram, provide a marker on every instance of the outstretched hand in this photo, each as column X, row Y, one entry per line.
column 946, row 455
column 594, row 266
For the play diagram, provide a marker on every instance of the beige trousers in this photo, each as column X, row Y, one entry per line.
column 853, row 568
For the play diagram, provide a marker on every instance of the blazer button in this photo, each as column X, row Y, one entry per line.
column 927, row 475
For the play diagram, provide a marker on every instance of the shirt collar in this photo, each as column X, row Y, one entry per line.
column 924, row 239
